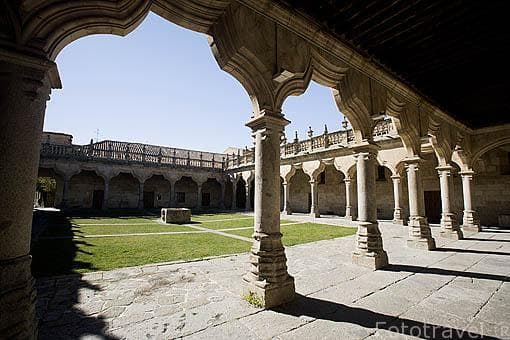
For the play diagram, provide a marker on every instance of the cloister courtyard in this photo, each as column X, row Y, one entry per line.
column 459, row 290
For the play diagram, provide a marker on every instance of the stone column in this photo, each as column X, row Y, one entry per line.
column 24, row 90
column 470, row 221
column 199, row 198
column 140, row 194
column 314, row 191
column 348, row 206
column 449, row 225
column 248, row 196
column 222, row 202
column 287, row 210
column 268, row 278
column 234, row 194
column 397, row 211
column 106, row 192
column 172, row 194
column 419, row 230
column 369, row 250
column 65, row 192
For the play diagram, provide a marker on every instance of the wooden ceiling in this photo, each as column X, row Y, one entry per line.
column 454, row 52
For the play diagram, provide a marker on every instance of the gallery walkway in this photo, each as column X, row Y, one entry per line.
column 463, row 285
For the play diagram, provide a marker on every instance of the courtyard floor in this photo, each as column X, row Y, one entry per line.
column 462, row 286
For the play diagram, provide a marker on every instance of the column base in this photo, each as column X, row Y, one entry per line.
column 370, row 260
column 398, row 221
column 269, row 295
column 420, row 236
column 17, row 299
column 348, row 218
column 450, row 227
column 369, row 251
column 287, row 212
column 472, row 228
column 315, row 214
column 268, row 281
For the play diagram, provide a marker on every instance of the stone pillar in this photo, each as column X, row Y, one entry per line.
column 420, row 236
column 287, row 210
column 106, row 192
column 449, row 225
column 369, row 250
column 24, row 91
column 199, row 198
column 314, row 191
column 268, row 278
column 140, row 194
column 222, row 202
column 234, row 194
column 397, row 211
column 248, row 196
column 470, row 221
column 65, row 191
column 172, row 194
column 348, row 206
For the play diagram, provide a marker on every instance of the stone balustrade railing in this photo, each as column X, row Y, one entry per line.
column 122, row 152
column 342, row 138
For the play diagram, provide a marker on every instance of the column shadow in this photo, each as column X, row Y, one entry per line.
column 446, row 272
column 471, row 251
column 58, row 296
column 336, row 312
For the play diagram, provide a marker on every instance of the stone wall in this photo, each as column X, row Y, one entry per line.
column 124, row 192
column 81, row 189
column 160, row 187
column 190, row 189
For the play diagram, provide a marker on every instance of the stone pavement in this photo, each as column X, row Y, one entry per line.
column 464, row 285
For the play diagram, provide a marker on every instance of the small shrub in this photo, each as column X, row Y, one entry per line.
column 254, row 300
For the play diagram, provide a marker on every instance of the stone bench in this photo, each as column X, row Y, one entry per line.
column 176, row 215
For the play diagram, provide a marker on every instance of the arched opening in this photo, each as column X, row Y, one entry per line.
column 49, row 188
column 186, row 193
column 384, row 193
column 211, row 194
column 241, row 194
column 156, row 192
column 431, row 188
column 331, row 192
column 491, row 186
column 300, row 196
column 86, row 190
column 124, row 192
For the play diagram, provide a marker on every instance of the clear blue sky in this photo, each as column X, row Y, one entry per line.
column 161, row 85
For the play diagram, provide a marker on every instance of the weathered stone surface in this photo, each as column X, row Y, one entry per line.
column 176, row 215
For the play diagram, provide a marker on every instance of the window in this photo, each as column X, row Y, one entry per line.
column 322, row 178
column 181, row 197
column 381, row 176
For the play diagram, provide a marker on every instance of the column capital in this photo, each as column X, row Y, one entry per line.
column 467, row 173
column 444, row 170
column 267, row 120
column 365, row 147
column 396, row 177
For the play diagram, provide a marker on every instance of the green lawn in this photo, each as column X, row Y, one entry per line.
column 304, row 233
column 77, row 255
column 55, row 257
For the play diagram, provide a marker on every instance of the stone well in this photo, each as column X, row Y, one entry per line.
column 176, row 215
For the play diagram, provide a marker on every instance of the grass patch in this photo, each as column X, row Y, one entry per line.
column 304, row 233
column 210, row 216
column 114, row 220
column 56, row 257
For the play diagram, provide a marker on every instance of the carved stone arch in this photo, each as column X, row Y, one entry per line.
column 344, row 164
column 287, row 171
column 440, row 137
column 406, row 121
column 50, row 26
column 326, row 70
column 358, row 98
column 481, row 150
column 386, row 164
column 313, row 168
column 265, row 63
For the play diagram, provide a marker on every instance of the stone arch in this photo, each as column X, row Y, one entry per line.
column 54, row 198
column 124, row 191
column 240, row 193
column 156, row 192
column 384, row 190
column 212, row 188
column 300, row 199
column 186, row 192
column 481, row 150
column 86, row 190
column 331, row 191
